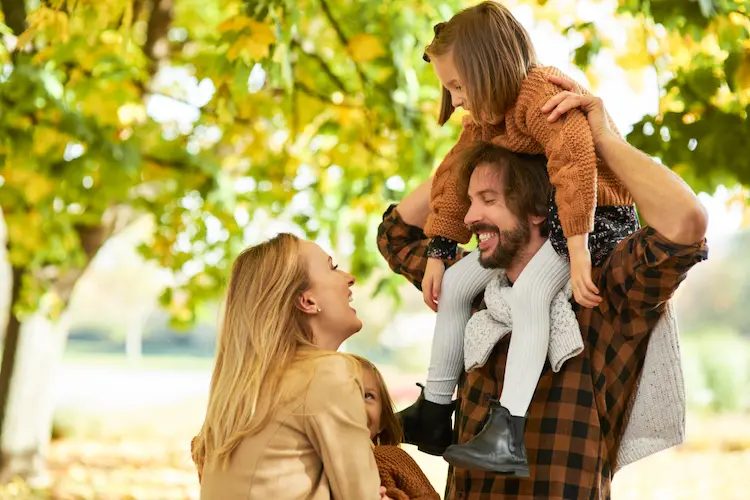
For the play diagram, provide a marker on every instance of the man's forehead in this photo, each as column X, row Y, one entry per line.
column 486, row 177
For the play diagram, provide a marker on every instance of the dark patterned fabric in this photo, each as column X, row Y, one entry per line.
column 577, row 416
column 442, row 248
column 405, row 248
column 612, row 224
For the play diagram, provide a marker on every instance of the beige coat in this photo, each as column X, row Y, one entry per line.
column 316, row 447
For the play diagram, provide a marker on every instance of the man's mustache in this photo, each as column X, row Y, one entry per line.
column 479, row 228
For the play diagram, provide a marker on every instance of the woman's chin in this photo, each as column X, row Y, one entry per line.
column 356, row 323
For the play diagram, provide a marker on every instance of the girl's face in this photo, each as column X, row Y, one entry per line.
column 373, row 403
column 447, row 73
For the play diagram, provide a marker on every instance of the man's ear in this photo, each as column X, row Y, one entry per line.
column 307, row 303
column 537, row 220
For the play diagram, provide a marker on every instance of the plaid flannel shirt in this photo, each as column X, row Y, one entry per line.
column 577, row 416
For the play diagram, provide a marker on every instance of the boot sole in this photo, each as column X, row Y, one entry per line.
column 487, row 466
column 436, row 452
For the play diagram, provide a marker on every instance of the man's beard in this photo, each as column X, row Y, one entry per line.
column 509, row 245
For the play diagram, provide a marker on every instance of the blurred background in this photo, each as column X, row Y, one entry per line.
column 143, row 143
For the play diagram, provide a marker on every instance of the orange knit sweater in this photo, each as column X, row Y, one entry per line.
column 401, row 476
column 582, row 180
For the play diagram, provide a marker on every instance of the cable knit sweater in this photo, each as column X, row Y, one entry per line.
column 401, row 476
column 582, row 180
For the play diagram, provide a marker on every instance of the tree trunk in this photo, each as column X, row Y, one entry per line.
column 30, row 408
column 31, row 357
column 10, row 348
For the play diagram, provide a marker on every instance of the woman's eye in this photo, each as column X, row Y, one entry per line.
column 369, row 395
column 335, row 267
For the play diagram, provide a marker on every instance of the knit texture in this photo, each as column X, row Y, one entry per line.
column 582, row 180
column 655, row 412
column 401, row 476
column 533, row 291
column 489, row 326
column 461, row 283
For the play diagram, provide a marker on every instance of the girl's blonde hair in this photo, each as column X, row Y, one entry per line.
column 262, row 333
column 392, row 434
column 493, row 54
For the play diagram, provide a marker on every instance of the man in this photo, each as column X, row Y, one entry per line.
column 578, row 415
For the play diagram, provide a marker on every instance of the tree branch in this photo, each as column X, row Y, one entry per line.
column 322, row 97
column 15, row 15
column 323, row 64
column 343, row 39
column 137, row 9
column 156, row 47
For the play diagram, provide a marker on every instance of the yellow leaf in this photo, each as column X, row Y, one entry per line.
column 25, row 38
column 49, row 142
column 24, row 230
column 255, row 50
column 45, row 54
column 38, row 188
column 61, row 28
column 364, row 47
column 672, row 102
column 261, row 33
column 636, row 60
column 33, row 185
column 234, row 51
column 234, row 23
column 253, row 44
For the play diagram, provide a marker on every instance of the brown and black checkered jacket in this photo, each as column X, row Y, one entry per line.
column 578, row 415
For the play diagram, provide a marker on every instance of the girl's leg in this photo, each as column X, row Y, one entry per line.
column 461, row 284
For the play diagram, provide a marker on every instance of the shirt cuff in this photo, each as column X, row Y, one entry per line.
column 442, row 248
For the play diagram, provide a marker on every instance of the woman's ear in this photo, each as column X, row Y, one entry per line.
column 307, row 303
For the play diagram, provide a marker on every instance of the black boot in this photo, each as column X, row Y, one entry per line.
column 427, row 425
column 499, row 446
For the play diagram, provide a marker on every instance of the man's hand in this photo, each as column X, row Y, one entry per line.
column 591, row 106
column 584, row 290
column 432, row 281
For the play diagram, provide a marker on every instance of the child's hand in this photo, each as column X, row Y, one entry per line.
column 432, row 281
column 584, row 290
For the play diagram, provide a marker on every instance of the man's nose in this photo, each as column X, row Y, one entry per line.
column 472, row 215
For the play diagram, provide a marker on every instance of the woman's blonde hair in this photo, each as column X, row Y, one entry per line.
column 392, row 434
column 493, row 54
column 262, row 333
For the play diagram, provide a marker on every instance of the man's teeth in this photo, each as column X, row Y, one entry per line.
column 351, row 298
column 486, row 236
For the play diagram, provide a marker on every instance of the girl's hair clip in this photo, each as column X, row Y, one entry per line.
column 437, row 29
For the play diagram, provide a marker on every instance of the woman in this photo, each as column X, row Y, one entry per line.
column 286, row 415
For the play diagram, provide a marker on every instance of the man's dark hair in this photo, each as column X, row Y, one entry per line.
column 526, row 182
